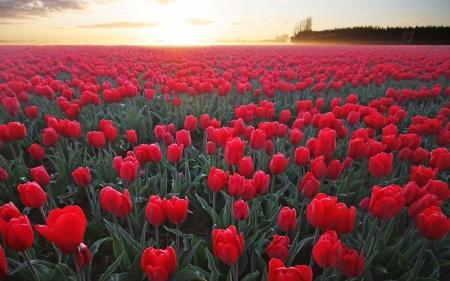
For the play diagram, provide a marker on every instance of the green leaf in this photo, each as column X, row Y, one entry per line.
column 111, row 268
column 187, row 274
column 251, row 276
column 212, row 266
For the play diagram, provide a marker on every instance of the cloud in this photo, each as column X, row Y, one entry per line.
column 241, row 23
column 198, row 22
column 122, row 25
column 14, row 9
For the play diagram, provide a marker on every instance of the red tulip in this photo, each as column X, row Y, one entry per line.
column 278, row 164
column 211, row 148
column 228, row 245
column 3, row 175
column 241, row 210
column 421, row 204
column 40, row 175
column 351, row 264
column 205, row 121
column 129, row 170
column 234, row 150
column 295, row 137
column 325, row 143
column 50, row 137
column 17, row 130
column 357, row 148
column 345, row 219
column 440, row 158
column 36, row 152
column 327, row 251
column 160, row 131
column 82, row 176
column 287, row 219
column 443, row 138
column 32, row 195
column 418, row 156
column 131, row 136
column 3, row 264
column 83, row 255
column 18, row 235
column 322, row 211
column 375, row 121
column 261, row 182
column 159, row 264
column 174, row 153
column 301, row 156
column 236, row 185
column 309, row 185
column 438, row 188
column 114, row 202
column 334, row 169
column 9, row 211
column 183, row 138
column 318, row 167
column 380, row 165
column 176, row 209
column 217, row 179
column 155, row 211
column 176, row 101
column 421, row 175
column 12, row 105
column 278, row 247
column 65, row 228
column 190, row 123
column 277, row 271
column 432, row 223
column 386, row 202
column 154, row 153
column 96, row 139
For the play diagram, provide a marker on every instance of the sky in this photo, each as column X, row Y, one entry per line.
column 193, row 22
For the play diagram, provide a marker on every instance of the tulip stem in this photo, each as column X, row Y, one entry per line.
column 380, row 233
column 324, row 275
column 366, row 242
column 415, row 269
column 52, row 201
column 272, row 185
column 234, row 271
column 178, row 243
column 159, row 178
column 89, row 198
column 214, row 209
column 382, row 182
column 30, row 265
column 157, row 236
column 175, row 178
column 77, row 268
column 130, row 227
column 316, row 237
column 20, row 153
column 43, row 215
column 301, row 212
column 12, row 149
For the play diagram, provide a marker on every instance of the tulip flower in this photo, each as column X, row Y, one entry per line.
column 190, row 123
column 17, row 234
column 322, row 210
column 386, row 202
column 176, row 209
column 327, row 251
column 159, row 264
column 278, row 164
column 82, row 176
column 351, row 264
column 380, row 165
column 309, row 186
column 32, row 195
column 40, row 175
column 261, row 182
column 37, row 152
column 278, row 247
column 217, row 179
column 9, row 211
column 301, row 156
column 96, row 139
column 241, row 210
column 183, row 138
column 278, row 271
column 318, row 167
column 131, row 136
column 155, row 213
column 234, row 150
column 246, row 167
column 236, row 185
column 83, row 256
column 50, row 137
column 345, row 219
column 417, row 207
column 115, row 202
column 65, row 228
column 440, row 158
column 287, row 219
column 228, row 245
column 3, row 264
column 3, row 175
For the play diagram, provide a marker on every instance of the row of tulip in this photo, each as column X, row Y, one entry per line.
column 266, row 189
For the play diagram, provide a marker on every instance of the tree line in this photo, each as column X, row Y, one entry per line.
column 374, row 35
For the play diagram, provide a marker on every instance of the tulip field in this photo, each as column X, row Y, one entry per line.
column 228, row 163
